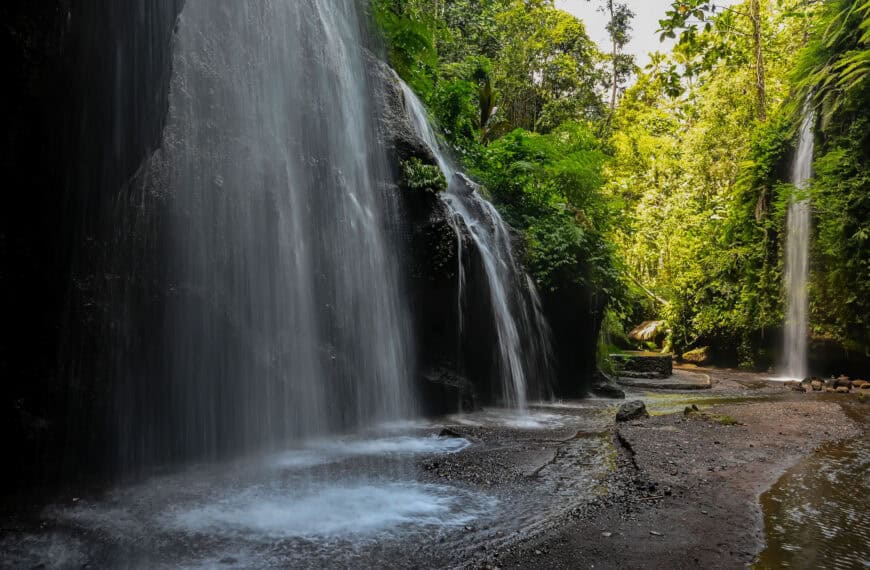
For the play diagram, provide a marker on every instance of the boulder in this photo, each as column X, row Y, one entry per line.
column 607, row 390
column 842, row 390
column 603, row 386
column 633, row 410
column 699, row 356
column 817, row 385
column 800, row 388
column 840, row 382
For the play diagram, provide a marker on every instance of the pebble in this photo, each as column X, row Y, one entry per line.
column 654, row 533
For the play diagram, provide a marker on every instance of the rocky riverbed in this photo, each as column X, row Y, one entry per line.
column 562, row 486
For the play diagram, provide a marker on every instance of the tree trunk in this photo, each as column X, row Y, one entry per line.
column 613, row 53
column 613, row 91
column 759, row 60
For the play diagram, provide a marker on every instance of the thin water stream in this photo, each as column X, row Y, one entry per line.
column 523, row 335
column 797, row 254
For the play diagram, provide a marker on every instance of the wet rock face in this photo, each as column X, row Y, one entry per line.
column 604, row 387
column 633, row 410
column 444, row 392
column 455, row 354
column 83, row 109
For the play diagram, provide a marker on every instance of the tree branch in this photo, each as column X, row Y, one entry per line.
column 651, row 295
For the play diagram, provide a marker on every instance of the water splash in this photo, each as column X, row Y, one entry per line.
column 797, row 256
column 513, row 297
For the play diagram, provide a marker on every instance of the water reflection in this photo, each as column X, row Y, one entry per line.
column 818, row 514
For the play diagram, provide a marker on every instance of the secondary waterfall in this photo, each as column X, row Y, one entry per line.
column 286, row 318
column 797, row 256
column 522, row 331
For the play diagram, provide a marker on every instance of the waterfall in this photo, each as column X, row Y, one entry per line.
column 513, row 298
column 286, row 317
column 797, row 255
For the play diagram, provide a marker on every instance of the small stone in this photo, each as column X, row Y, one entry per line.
column 606, row 534
column 654, row 533
column 538, row 552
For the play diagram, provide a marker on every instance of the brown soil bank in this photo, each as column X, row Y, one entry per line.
column 702, row 508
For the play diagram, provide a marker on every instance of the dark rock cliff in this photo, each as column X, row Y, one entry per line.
column 85, row 98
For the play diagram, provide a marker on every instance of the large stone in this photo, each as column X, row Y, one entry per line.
column 648, row 331
column 699, row 356
column 608, row 390
column 633, row 410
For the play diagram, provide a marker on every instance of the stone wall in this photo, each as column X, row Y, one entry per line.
column 643, row 365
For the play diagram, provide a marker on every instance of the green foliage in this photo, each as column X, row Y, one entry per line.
column 421, row 177
column 841, row 195
column 549, row 186
column 680, row 212
column 411, row 45
column 530, row 66
column 835, row 66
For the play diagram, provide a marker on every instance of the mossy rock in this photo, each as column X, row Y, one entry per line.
column 698, row 356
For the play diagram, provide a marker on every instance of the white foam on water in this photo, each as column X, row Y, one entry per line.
column 510, row 418
column 343, row 510
column 783, row 379
column 320, row 452
column 396, row 445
